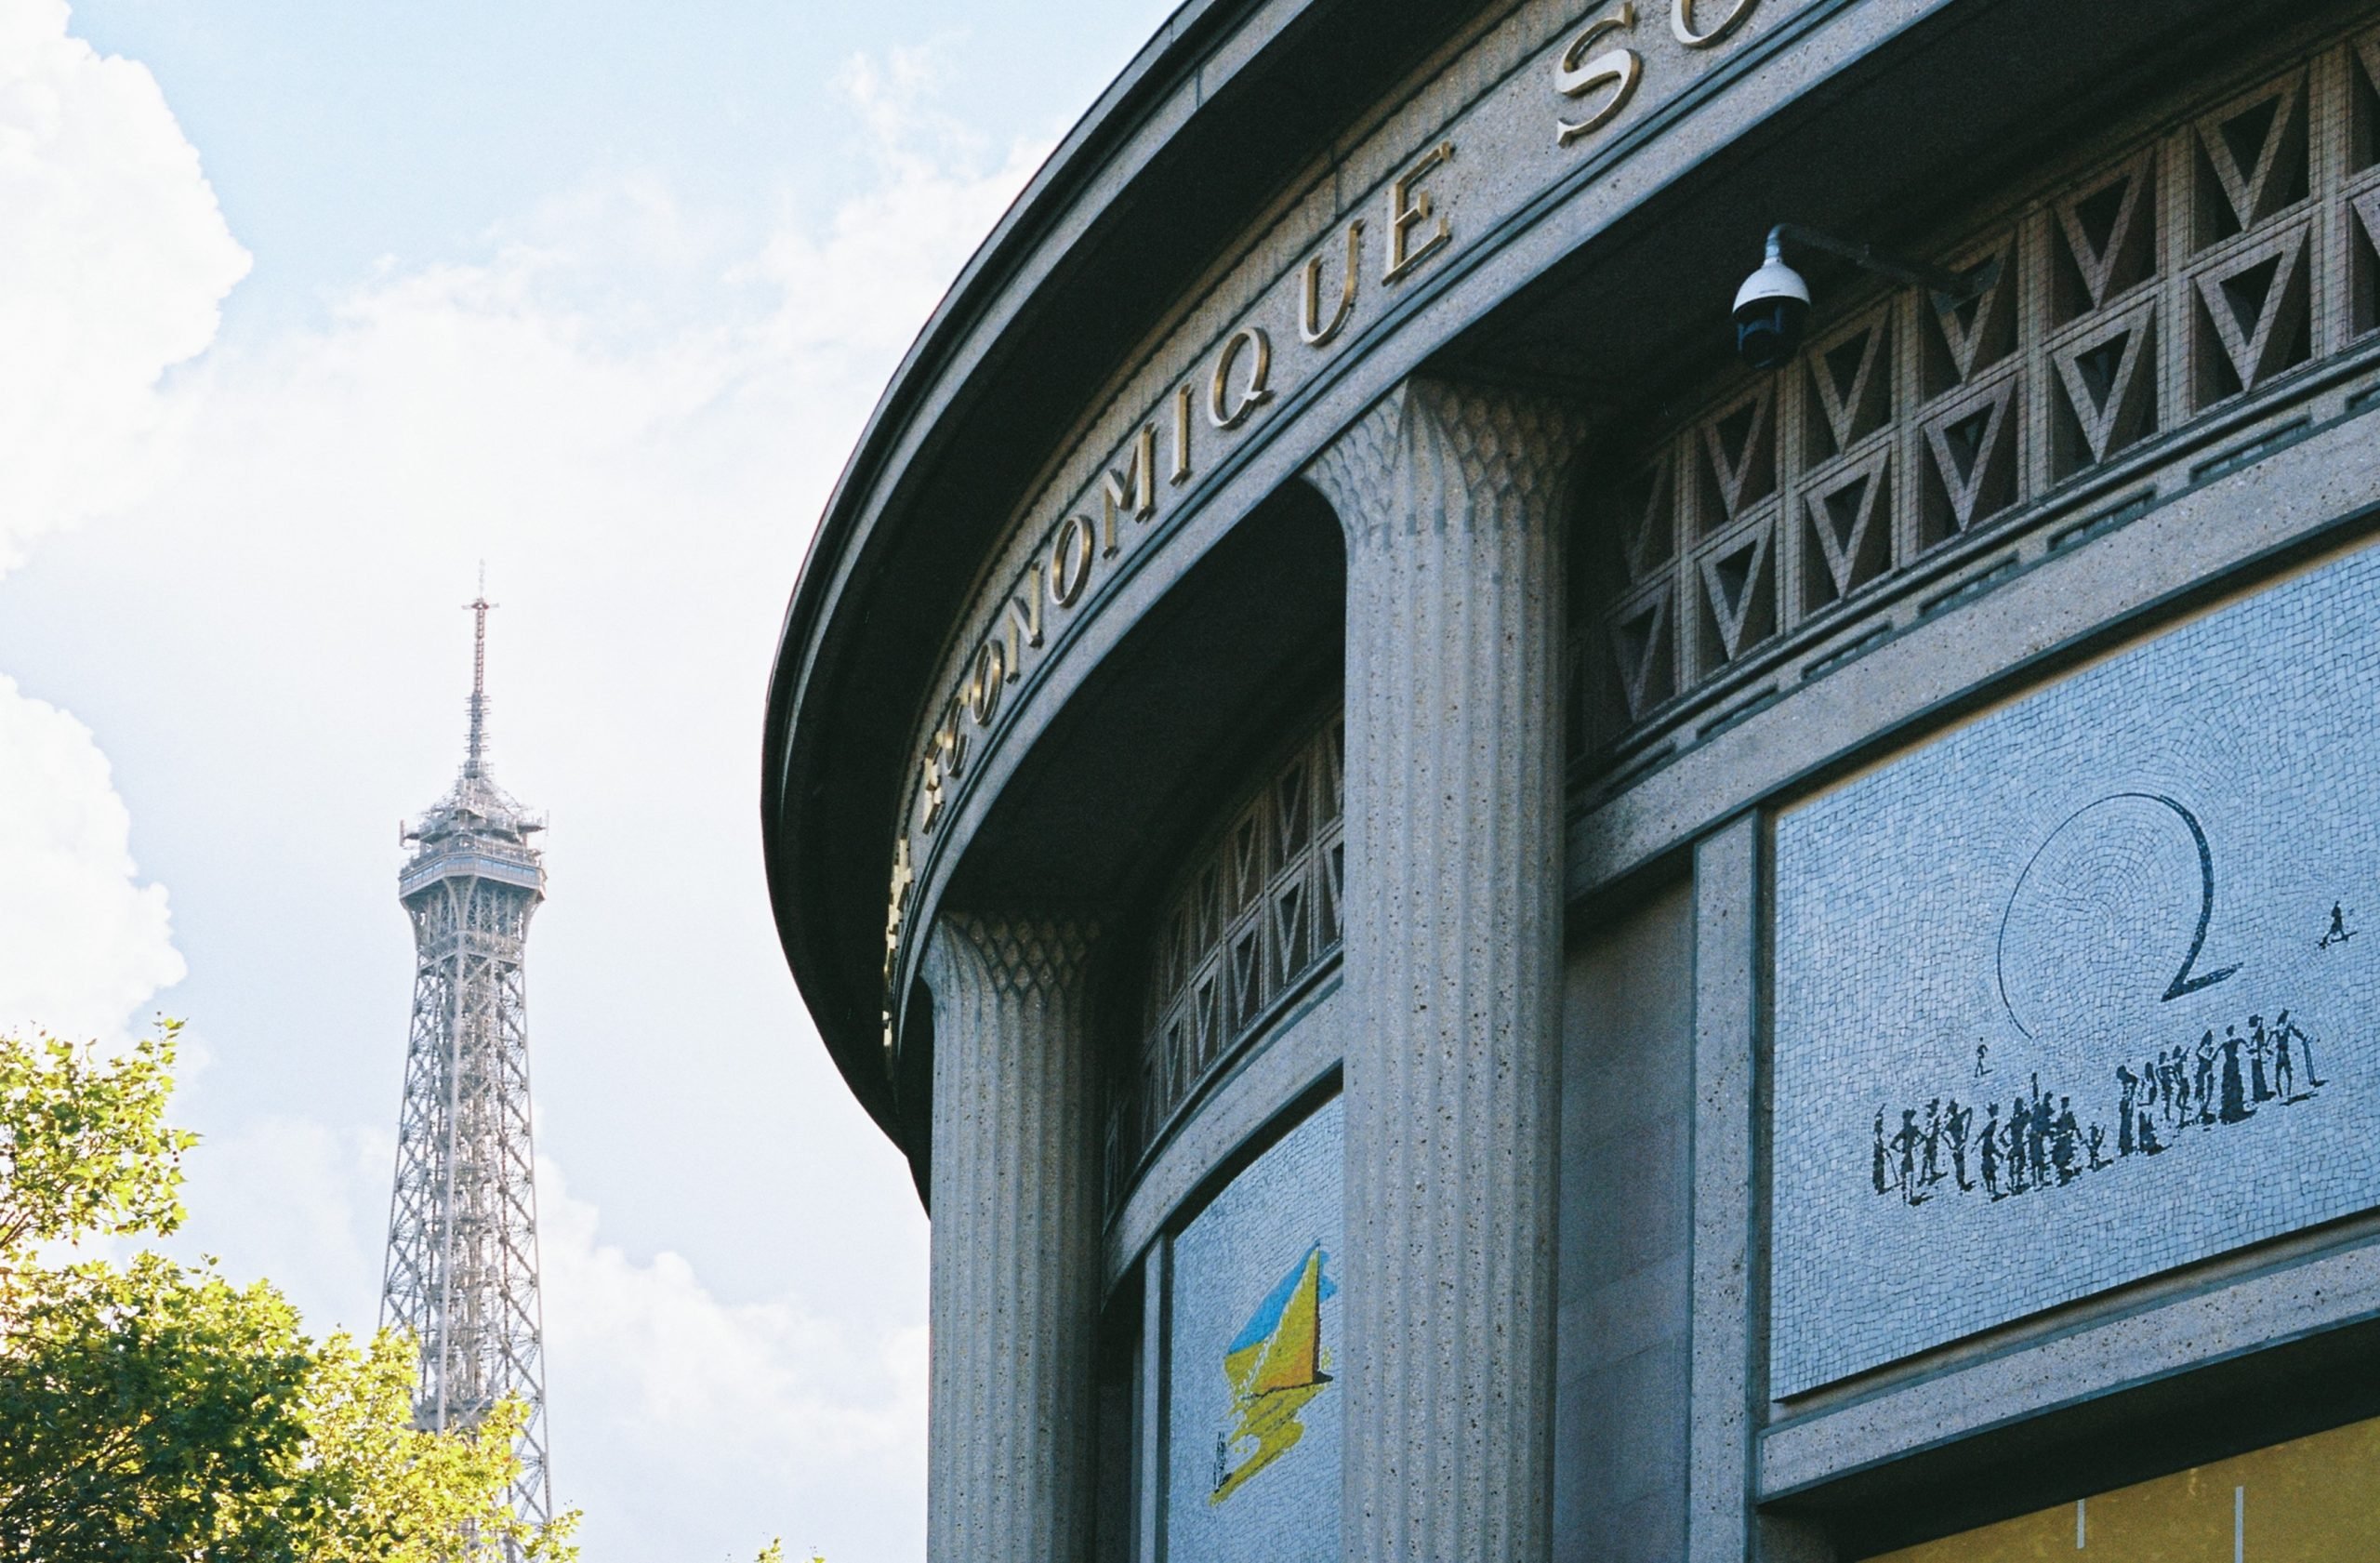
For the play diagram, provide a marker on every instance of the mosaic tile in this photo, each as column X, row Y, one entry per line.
column 1252, row 1470
column 2082, row 991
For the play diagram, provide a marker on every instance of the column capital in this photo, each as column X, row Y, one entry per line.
column 1437, row 454
column 1028, row 955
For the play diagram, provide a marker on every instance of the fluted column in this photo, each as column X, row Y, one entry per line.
column 1449, row 500
column 1015, row 1244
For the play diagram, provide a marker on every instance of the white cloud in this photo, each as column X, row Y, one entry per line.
column 795, row 1423
column 115, row 260
column 82, row 944
column 636, row 419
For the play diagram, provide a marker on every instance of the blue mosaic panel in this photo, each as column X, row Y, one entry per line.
column 1252, row 1470
column 2082, row 991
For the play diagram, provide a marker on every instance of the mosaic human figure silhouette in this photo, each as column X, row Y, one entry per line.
column 1956, row 1126
column 2314, row 1080
column 2338, row 932
column 2040, row 1140
column 1906, row 1143
column 2066, row 1143
column 2018, row 1170
column 2236, row 1107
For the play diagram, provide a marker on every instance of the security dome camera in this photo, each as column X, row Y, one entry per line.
column 1773, row 304
column 1771, row 309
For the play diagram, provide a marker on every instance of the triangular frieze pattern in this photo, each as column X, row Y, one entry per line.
column 2366, row 207
column 2363, row 104
column 1257, row 910
column 2253, row 315
column 2363, row 260
column 1738, row 586
column 1971, row 334
column 2253, row 152
column 1642, row 653
column 1850, row 520
column 2177, row 272
column 2106, row 230
column 1740, row 455
column 1971, row 448
column 1850, row 379
column 2108, row 375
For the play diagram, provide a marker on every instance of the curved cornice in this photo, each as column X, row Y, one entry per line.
column 1102, row 237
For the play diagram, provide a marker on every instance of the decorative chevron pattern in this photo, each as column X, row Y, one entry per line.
column 2184, row 274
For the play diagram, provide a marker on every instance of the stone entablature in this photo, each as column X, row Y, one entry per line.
column 1524, row 104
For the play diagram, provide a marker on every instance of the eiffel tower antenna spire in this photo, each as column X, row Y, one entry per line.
column 475, row 762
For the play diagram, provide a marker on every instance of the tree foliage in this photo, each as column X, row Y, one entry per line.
column 84, row 1150
column 153, row 1411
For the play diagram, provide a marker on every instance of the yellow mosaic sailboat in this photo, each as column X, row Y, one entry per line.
column 1274, row 1367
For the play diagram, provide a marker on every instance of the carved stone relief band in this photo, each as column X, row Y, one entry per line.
column 1450, row 501
column 1015, row 1263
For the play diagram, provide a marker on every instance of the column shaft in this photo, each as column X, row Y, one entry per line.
column 1015, row 1244
column 1450, row 502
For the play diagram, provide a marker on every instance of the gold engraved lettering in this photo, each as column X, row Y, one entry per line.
column 1070, row 561
column 1574, row 76
column 1682, row 23
column 896, row 908
column 1133, row 489
column 1408, row 208
column 1182, row 433
column 983, row 685
column 1222, row 410
column 929, row 787
column 1310, row 323
column 1024, row 621
column 949, row 740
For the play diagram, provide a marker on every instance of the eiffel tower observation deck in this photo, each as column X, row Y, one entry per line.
column 462, row 1264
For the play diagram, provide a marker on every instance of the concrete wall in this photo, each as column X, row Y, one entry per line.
column 1623, row 1323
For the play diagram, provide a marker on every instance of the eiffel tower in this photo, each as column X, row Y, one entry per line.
column 462, row 1272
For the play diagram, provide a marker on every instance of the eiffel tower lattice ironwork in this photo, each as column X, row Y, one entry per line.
column 462, row 1271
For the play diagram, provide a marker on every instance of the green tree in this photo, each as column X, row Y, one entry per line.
column 152, row 1411
column 84, row 1150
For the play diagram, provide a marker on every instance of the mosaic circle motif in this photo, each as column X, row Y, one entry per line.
column 2108, row 916
column 2081, row 991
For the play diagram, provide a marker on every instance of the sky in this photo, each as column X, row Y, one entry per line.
column 305, row 312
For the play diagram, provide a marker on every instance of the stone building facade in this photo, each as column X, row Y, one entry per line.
column 1495, row 936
